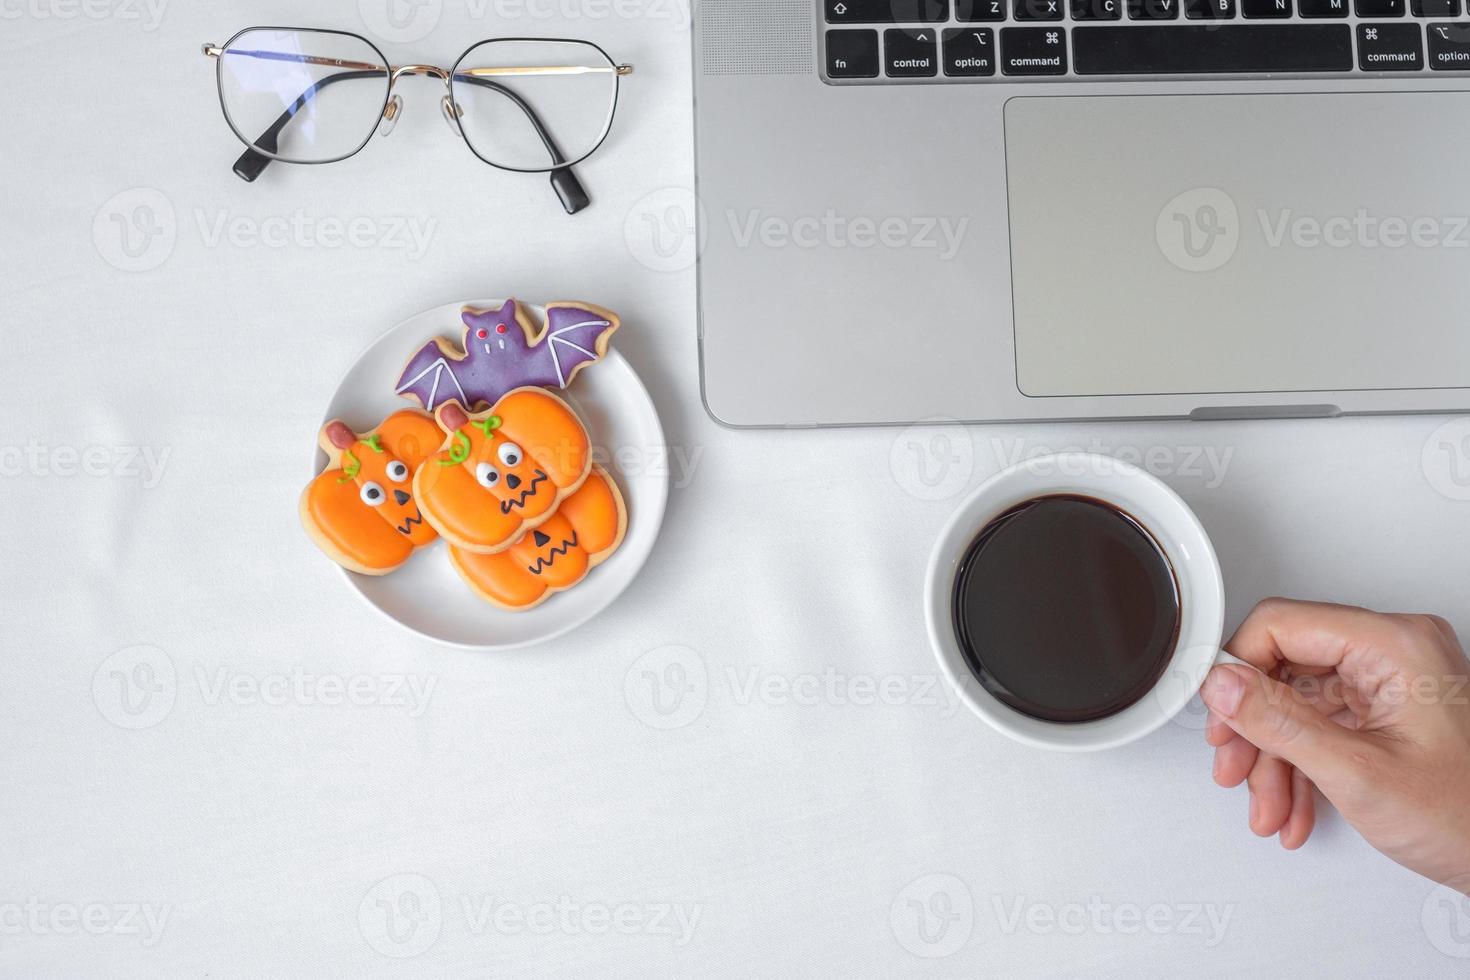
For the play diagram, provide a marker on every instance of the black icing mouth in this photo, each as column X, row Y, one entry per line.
column 409, row 523
column 526, row 494
column 542, row 564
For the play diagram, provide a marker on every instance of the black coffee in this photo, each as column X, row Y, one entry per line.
column 1066, row 609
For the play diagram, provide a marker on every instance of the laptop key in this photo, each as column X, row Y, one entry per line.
column 1379, row 8
column 1038, row 10
column 1153, row 9
column 969, row 51
column 852, row 54
column 1209, row 9
column 1147, row 49
column 1322, row 8
column 971, row 11
column 1435, row 8
column 1096, row 9
column 1036, row 50
column 1449, row 47
column 886, row 11
column 1258, row 9
column 910, row 53
column 1390, row 47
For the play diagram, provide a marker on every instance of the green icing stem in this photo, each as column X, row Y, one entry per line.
column 488, row 424
column 459, row 450
column 353, row 467
column 373, row 444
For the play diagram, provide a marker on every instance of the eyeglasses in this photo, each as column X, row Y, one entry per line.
column 529, row 105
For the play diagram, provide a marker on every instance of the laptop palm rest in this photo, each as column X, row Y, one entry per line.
column 1239, row 243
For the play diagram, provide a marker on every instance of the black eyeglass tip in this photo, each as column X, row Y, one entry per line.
column 250, row 165
column 569, row 189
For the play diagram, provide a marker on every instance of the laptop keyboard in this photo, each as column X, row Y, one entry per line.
column 991, row 39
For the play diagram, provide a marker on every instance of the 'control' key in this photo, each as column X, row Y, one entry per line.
column 910, row 53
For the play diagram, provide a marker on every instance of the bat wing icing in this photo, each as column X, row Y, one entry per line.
column 431, row 376
column 502, row 351
column 575, row 337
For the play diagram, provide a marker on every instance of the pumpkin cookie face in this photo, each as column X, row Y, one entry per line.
column 361, row 511
column 504, row 471
column 585, row 530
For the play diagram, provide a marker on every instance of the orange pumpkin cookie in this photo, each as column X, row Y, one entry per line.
column 504, row 471
column 361, row 510
column 586, row 529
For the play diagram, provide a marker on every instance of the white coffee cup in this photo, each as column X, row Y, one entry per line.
column 1175, row 529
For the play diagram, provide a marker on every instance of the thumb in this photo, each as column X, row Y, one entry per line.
column 1274, row 718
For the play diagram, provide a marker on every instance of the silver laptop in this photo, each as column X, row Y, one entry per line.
column 1073, row 209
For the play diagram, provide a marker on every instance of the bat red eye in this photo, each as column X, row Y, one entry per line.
column 500, row 328
column 482, row 333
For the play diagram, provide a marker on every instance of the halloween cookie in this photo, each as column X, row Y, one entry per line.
column 556, row 555
column 361, row 510
column 505, row 349
column 503, row 471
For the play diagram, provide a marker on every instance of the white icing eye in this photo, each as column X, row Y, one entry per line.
column 372, row 494
column 510, row 453
column 397, row 471
column 487, row 475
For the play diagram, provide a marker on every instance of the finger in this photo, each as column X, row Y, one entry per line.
column 1270, row 785
column 1303, row 812
column 1233, row 761
column 1315, row 634
column 1217, row 733
column 1269, row 715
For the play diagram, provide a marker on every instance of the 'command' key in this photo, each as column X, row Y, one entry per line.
column 1033, row 51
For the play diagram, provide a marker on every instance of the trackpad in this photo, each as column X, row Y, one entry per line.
column 1239, row 243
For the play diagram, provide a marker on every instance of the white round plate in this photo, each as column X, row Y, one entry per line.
column 427, row 595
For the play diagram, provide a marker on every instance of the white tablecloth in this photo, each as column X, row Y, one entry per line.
column 217, row 761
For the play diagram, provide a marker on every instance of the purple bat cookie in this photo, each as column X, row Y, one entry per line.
column 504, row 349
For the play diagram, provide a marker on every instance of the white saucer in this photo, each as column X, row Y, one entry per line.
column 427, row 595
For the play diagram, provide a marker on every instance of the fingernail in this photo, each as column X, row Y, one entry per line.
column 1222, row 691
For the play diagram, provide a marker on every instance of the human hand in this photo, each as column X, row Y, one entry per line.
column 1372, row 709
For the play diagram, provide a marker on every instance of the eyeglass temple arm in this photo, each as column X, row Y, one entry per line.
column 565, row 183
column 569, row 190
